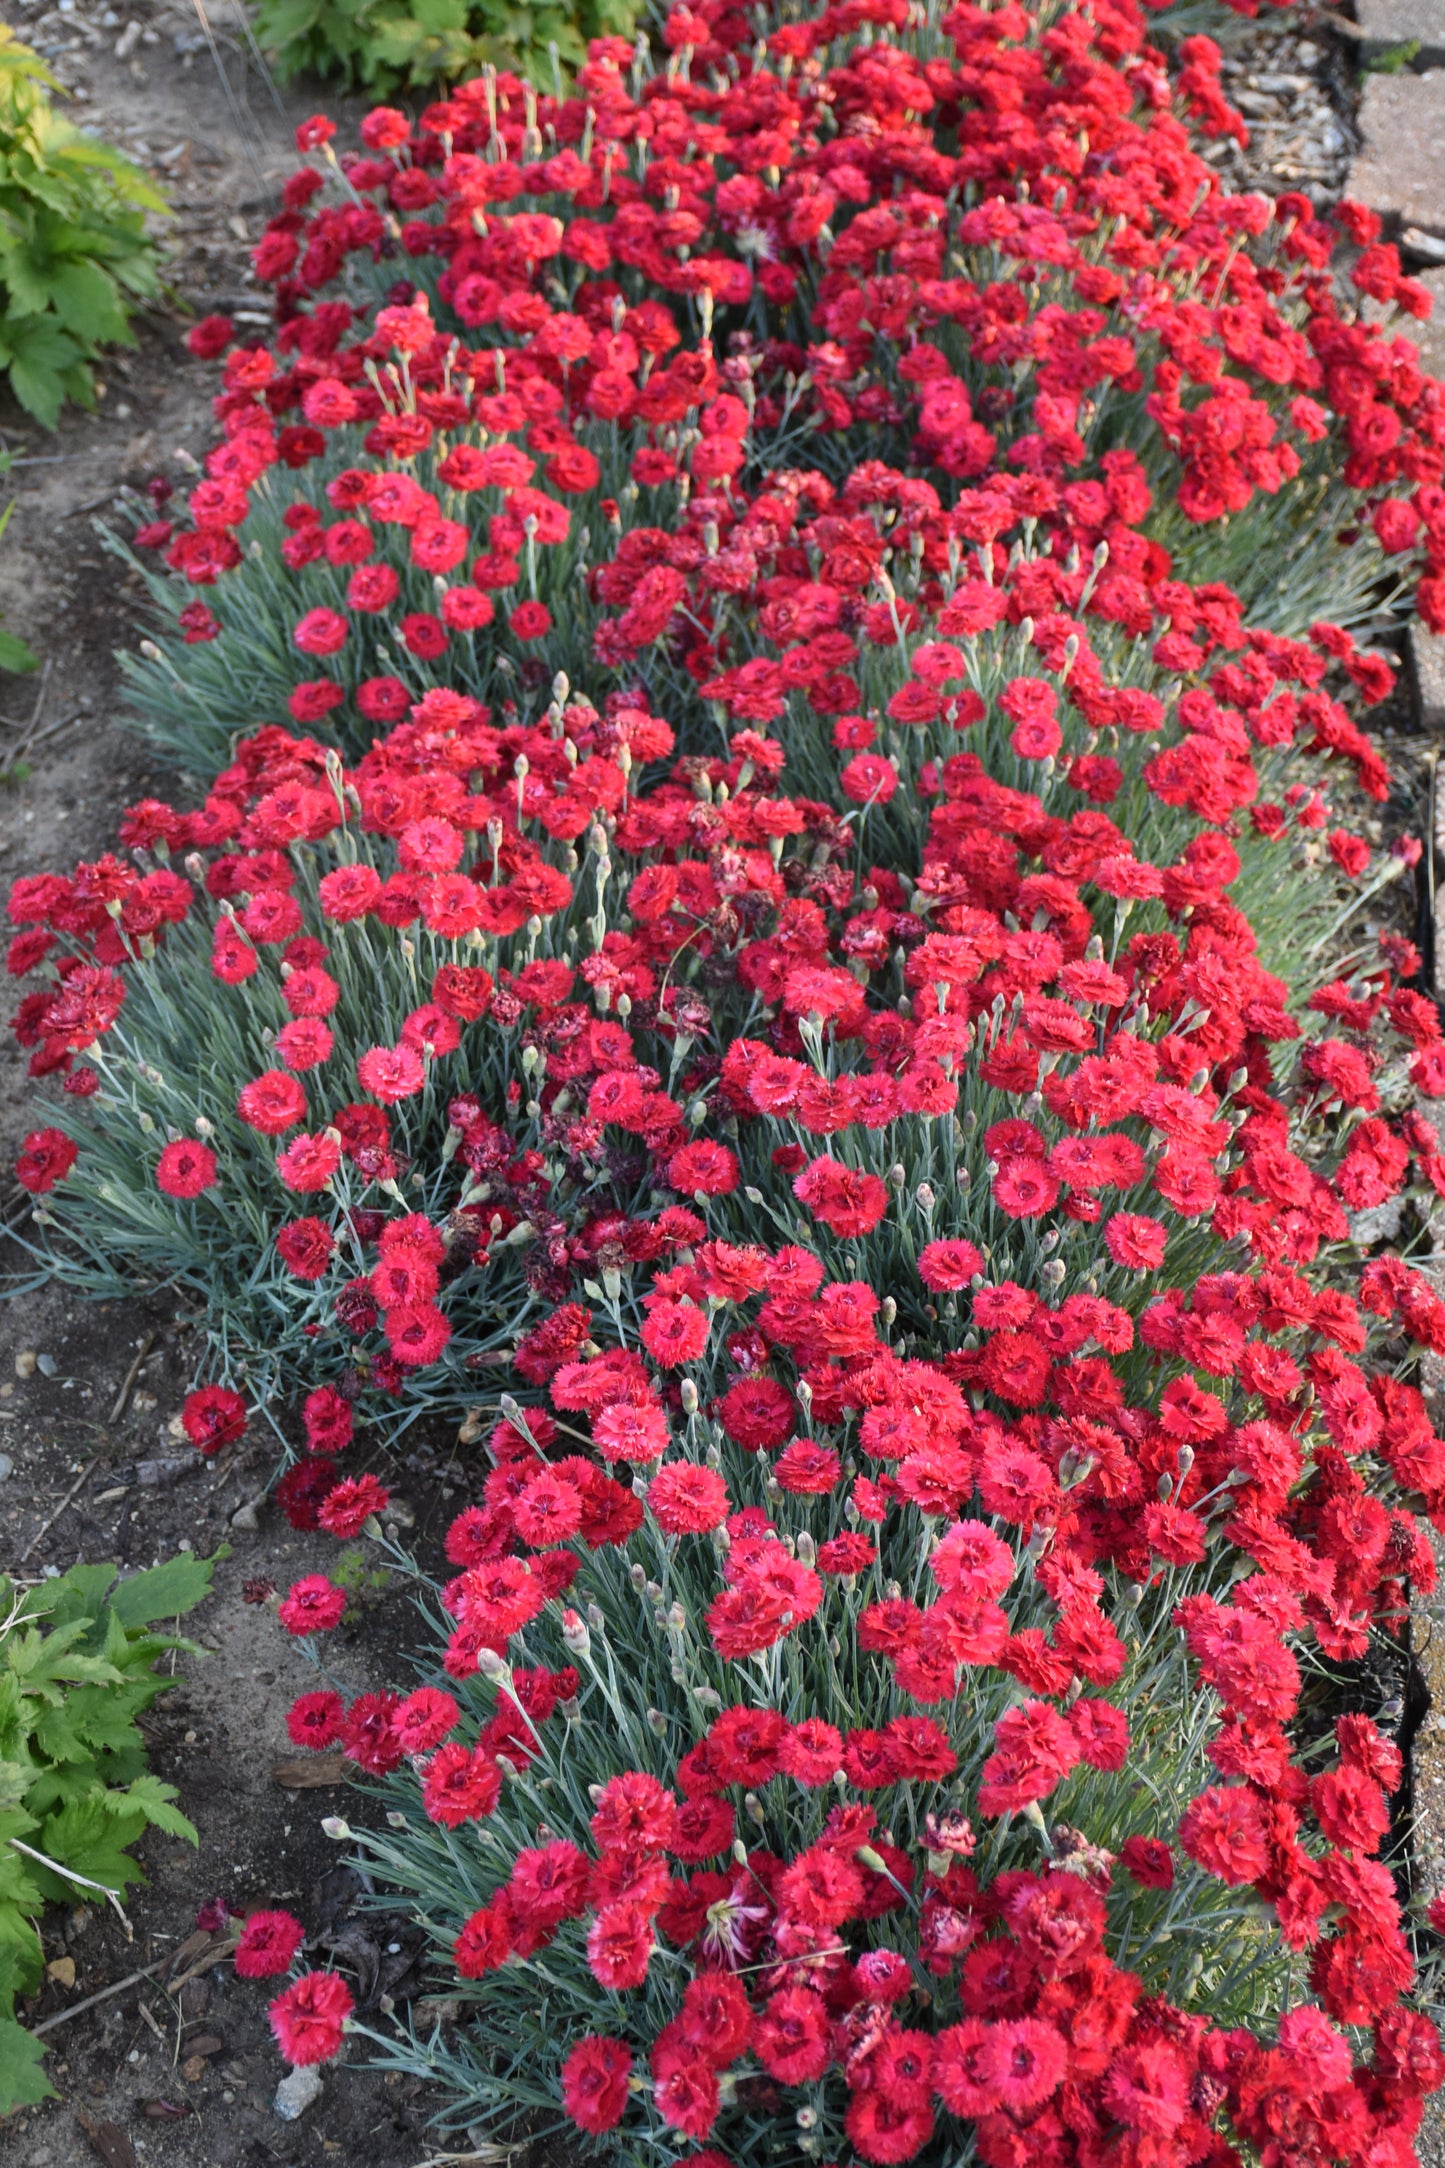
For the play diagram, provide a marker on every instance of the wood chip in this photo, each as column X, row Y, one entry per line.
column 198, row 1940
column 312, row 1773
column 107, row 2139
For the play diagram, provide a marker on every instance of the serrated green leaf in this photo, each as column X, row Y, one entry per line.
column 169, row 1590
column 126, row 178
column 88, row 1721
column 22, row 1959
column 22, row 2080
column 155, row 1798
column 90, row 1839
column 28, row 281
column 38, row 389
column 87, row 303
column 78, row 1594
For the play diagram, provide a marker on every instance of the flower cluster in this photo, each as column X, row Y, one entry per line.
column 764, row 883
column 980, row 251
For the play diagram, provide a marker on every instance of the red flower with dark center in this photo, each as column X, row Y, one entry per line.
column 309, row 2019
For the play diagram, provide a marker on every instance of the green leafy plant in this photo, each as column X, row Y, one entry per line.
column 15, row 655
column 388, row 45
column 354, row 1572
column 1395, row 59
column 74, row 253
column 77, row 1667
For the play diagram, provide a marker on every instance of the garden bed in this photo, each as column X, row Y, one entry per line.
column 101, row 1469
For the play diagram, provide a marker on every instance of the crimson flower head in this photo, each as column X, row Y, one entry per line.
column 949, row 1265
column 309, row 2019
column 272, row 1102
column 216, row 1913
column 313, row 133
column 309, row 1162
column 849, row 1202
column 302, row 1489
column 320, row 632
column 198, row 625
column 208, row 340
column 304, row 1247
column 531, row 620
column 348, row 1508
column 269, row 1941
column 328, row 1420
column 1149, row 1860
column 213, row 1416
column 45, row 1159
column 370, row 1736
column 312, row 1605
column 1135, row 1241
column 390, row 1073
column 594, row 2082
column 185, row 1168
column 316, row 1720
column 424, row 1719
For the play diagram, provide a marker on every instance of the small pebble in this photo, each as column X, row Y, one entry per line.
column 25, row 1363
column 297, row 2090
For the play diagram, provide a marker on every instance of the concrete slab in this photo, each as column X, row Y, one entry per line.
column 1401, row 171
column 1390, row 24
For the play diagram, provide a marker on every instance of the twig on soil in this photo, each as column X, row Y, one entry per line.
column 44, row 737
column 68, row 1500
column 37, row 710
column 133, row 1979
column 122, row 1398
column 104, row 1994
column 154, row 2024
column 485, row 2156
column 53, row 730
column 103, row 1888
